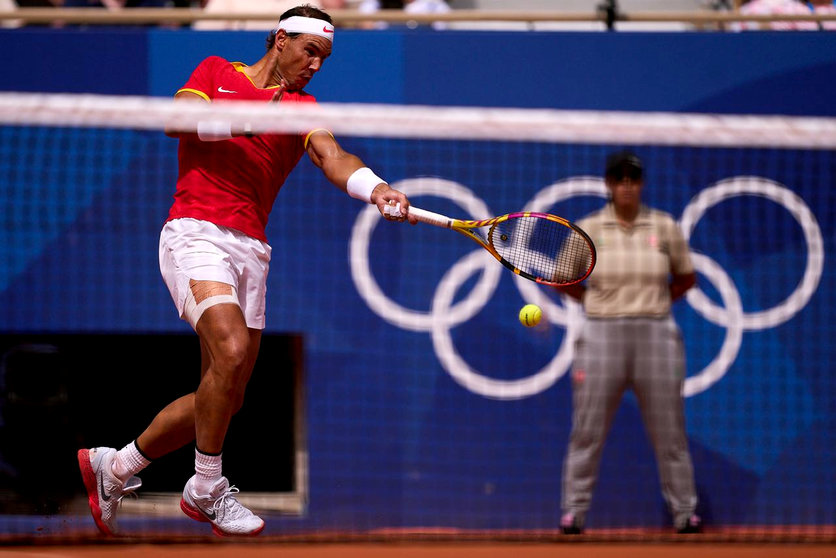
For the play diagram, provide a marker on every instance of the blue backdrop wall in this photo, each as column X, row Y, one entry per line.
column 400, row 431
column 782, row 73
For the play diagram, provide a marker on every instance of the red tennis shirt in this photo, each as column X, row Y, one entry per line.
column 234, row 182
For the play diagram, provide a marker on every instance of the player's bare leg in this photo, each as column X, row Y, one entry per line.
column 171, row 429
column 229, row 351
column 174, row 426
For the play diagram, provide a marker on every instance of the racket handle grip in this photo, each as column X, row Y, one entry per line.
column 430, row 218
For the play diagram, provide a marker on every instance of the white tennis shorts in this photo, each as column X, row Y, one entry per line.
column 203, row 251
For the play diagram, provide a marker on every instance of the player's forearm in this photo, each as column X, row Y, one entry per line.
column 352, row 176
column 214, row 130
column 210, row 129
column 339, row 169
column 345, row 170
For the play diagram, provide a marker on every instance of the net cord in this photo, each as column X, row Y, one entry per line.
column 426, row 122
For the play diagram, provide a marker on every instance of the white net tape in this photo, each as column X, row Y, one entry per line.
column 411, row 121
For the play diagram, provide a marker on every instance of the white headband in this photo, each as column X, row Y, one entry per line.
column 310, row 25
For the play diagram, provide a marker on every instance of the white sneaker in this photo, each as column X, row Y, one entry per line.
column 104, row 489
column 220, row 508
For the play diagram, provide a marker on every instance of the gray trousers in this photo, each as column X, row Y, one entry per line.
column 612, row 355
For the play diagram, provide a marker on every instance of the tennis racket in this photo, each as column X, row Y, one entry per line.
column 541, row 247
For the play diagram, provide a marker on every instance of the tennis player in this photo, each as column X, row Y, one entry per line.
column 214, row 258
column 629, row 340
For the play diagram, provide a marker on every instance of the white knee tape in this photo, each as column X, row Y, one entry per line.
column 192, row 310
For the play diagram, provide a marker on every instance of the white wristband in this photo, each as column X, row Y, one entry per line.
column 362, row 183
column 214, row 130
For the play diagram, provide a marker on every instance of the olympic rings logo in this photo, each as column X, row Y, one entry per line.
column 444, row 314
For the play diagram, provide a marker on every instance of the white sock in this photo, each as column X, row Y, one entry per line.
column 207, row 468
column 128, row 462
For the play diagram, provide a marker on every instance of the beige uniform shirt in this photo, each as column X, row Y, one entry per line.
column 632, row 275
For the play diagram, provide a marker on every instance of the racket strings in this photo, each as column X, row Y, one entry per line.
column 545, row 249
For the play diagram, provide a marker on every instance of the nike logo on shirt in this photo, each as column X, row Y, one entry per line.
column 222, row 90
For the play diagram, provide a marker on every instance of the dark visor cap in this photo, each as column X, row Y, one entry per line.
column 624, row 164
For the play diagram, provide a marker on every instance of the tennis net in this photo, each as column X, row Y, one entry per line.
column 398, row 394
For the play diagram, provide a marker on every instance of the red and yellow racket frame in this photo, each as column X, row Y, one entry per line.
column 467, row 227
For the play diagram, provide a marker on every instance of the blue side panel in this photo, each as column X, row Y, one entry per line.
column 105, row 61
column 745, row 73
column 173, row 54
column 782, row 73
column 363, row 68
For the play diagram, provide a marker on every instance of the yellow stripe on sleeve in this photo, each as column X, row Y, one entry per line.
column 196, row 92
column 315, row 130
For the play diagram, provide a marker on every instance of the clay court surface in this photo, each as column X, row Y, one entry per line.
column 430, row 550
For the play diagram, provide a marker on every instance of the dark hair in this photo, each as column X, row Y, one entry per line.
column 305, row 10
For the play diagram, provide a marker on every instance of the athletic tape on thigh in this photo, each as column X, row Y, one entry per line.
column 192, row 310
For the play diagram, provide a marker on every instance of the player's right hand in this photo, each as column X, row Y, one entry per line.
column 277, row 96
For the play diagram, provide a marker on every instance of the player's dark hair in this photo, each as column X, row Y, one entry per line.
column 303, row 11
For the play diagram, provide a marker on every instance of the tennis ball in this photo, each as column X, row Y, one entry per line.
column 530, row 315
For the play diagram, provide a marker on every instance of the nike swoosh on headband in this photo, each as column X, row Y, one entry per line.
column 310, row 25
